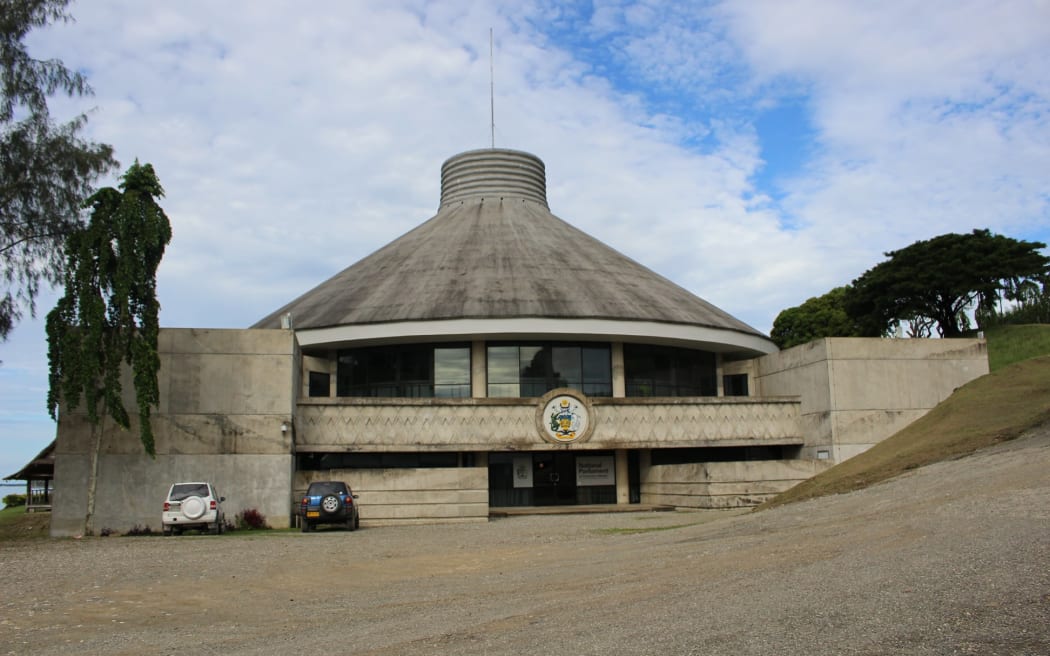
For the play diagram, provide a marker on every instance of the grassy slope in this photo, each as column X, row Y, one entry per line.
column 1014, row 398
column 1010, row 344
column 17, row 524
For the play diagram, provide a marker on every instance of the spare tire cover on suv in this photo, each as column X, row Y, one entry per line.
column 193, row 507
column 331, row 504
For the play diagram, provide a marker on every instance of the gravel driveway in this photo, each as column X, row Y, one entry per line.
column 950, row 559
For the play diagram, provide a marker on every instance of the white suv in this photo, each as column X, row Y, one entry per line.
column 193, row 505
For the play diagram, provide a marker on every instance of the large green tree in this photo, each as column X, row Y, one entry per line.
column 108, row 317
column 820, row 316
column 46, row 169
column 940, row 281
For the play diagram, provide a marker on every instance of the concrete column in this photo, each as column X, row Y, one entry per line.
column 619, row 381
column 719, row 374
column 623, row 488
column 645, row 461
column 479, row 386
column 333, row 373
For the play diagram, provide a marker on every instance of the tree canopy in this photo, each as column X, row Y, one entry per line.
column 109, row 314
column 940, row 280
column 46, row 169
column 821, row 316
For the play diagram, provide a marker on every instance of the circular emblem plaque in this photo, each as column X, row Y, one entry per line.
column 564, row 416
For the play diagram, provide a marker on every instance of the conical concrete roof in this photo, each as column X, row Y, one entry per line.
column 495, row 251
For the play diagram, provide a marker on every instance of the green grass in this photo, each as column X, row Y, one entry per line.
column 1010, row 344
column 8, row 515
column 646, row 529
column 1013, row 398
column 704, row 515
column 17, row 524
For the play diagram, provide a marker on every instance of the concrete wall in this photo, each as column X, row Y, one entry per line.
column 411, row 496
column 510, row 424
column 224, row 397
column 856, row 392
column 723, row 484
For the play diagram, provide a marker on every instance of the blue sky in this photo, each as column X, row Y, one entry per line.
column 756, row 152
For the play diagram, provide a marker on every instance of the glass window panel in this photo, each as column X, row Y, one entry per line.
column 535, row 363
column 452, row 372
column 403, row 371
column 319, row 383
column 668, row 371
column 503, row 364
column 504, row 390
column 380, row 366
column 452, row 391
column 544, row 366
column 566, row 367
column 502, row 368
column 597, row 364
column 452, row 366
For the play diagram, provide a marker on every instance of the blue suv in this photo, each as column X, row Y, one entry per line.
column 329, row 502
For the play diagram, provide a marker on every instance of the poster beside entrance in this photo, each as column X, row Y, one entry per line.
column 595, row 470
column 522, row 471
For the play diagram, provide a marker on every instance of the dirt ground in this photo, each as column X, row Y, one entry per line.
column 950, row 559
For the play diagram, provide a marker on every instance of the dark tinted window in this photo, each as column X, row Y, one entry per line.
column 735, row 385
column 396, row 460
column 320, row 383
column 405, row 370
column 668, row 371
column 533, row 369
column 327, row 487
column 182, row 491
column 691, row 455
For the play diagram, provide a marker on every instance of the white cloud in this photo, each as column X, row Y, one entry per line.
column 931, row 117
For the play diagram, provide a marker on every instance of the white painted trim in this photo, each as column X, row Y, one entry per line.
column 650, row 332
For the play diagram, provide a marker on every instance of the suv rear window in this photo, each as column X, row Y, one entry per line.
column 326, row 488
column 182, row 491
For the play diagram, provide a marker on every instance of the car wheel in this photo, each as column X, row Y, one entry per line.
column 331, row 504
column 166, row 530
column 357, row 521
column 306, row 527
column 216, row 528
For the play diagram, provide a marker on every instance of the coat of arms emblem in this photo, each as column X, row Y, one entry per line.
column 563, row 416
column 565, row 420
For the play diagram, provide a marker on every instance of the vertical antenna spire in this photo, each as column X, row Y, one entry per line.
column 492, row 92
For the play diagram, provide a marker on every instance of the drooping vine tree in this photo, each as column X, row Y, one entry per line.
column 108, row 316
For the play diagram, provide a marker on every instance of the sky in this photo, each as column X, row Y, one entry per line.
column 756, row 152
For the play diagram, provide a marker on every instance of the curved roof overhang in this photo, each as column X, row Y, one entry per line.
column 738, row 344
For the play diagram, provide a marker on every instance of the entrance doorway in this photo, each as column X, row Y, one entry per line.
column 552, row 478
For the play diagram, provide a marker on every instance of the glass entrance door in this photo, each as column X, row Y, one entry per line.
column 554, row 478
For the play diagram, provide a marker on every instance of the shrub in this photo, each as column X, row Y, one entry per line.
column 15, row 500
column 250, row 518
column 139, row 530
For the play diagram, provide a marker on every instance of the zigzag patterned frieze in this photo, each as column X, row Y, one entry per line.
column 487, row 425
